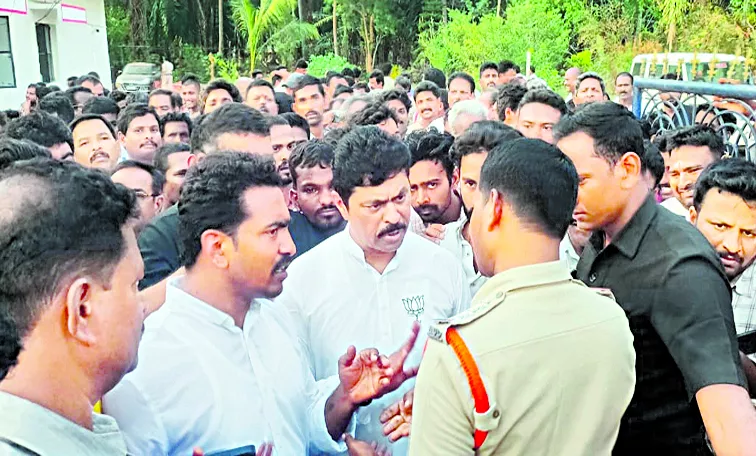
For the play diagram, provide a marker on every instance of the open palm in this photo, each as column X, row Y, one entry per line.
column 368, row 375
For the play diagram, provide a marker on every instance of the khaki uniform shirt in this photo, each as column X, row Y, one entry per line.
column 557, row 359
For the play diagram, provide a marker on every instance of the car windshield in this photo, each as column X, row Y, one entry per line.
column 139, row 69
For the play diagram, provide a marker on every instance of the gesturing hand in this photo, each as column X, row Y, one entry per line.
column 369, row 375
column 360, row 448
column 397, row 418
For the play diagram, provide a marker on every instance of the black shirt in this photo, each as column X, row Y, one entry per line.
column 671, row 284
column 161, row 252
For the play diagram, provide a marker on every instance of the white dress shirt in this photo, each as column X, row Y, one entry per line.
column 744, row 301
column 202, row 381
column 567, row 253
column 337, row 299
column 675, row 206
column 458, row 246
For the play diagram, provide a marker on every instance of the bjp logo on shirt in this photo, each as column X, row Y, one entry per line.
column 414, row 305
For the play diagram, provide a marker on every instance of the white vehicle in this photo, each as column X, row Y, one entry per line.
column 681, row 64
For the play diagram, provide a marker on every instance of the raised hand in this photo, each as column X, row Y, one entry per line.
column 369, row 375
column 360, row 448
column 397, row 418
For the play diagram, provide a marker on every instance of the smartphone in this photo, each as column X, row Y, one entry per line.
column 747, row 342
column 248, row 450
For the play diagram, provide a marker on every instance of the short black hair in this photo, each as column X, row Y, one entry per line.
column 176, row 117
column 333, row 75
column 432, row 146
column 342, row 89
column 212, row 196
column 41, row 128
column 190, row 78
column 306, row 81
column 260, row 83
column 158, row 178
column 256, row 73
column 488, row 66
column 482, row 136
column 403, row 82
column 734, row 175
column 277, row 120
column 14, row 150
column 309, row 155
column 436, row 76
column 168, row 93
column 301, row 64
column 378, row 76
column 372, row 114
column 59, row 104
column 362, row 86
column 428, row 86
column 73, row 91
column 386, row 68
column 134, row 111
column 117, row 96
column 275, row 79
column 222, row 84
column 614, row 129
column 671, row 77
column 509, row 96
column 64, row 221
column 591, row 75
column 101, row 105
column 506, row 65
column 137, row 97
column 333, row 137
column 71, row 80
column 698, row 136
column 625, row 73
column 89, row 78
column 466, row 77
column 86, row 117
column 537, row 180
column 367, row 156
column 160, row 161
column 396, row 94
column 545, row 97
column 296, row 121
column 654, row 162
column 229, row 118
column 347, row 72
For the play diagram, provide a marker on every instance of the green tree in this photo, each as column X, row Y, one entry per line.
column 272, row 21
column 672, row 13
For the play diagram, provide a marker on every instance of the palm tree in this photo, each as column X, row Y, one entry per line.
column 672, row 12
column 273, row 20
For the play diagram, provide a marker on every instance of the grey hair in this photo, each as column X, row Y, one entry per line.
column 471, row 107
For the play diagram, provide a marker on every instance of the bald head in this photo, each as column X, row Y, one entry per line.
column 243, row 84
column 570, row 79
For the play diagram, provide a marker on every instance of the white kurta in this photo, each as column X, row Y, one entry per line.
column 203, row 382
column 337, row 300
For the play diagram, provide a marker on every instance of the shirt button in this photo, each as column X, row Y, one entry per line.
column 592, row 278
column 499, row 295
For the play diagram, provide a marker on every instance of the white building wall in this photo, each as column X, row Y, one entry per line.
column 77, row 48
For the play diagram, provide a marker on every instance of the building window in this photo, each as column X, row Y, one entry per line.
column 45, row 52
column 7, row 72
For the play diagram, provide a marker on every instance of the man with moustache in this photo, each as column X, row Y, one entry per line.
column 368, row 283
column 317, row 216
column 430, row 108
column 431, row 178
column 219, row 367
column 94, row 142
column 691, row 151
column 489, row 75
column 623, row 88
column 261, row 96
column 309, row 102
column 139, row 133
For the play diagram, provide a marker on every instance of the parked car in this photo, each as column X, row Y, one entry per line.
column 137, row 76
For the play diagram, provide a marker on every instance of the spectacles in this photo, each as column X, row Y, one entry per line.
column 142, row 195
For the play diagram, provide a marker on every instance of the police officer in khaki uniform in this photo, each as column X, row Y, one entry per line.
column 541, row 364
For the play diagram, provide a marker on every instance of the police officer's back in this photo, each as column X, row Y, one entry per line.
column 541, row 364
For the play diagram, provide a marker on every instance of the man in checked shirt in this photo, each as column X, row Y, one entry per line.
column 724, row 210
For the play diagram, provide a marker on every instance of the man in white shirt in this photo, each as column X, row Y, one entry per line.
column 429, row 106
column 469, row 152
column 70, row 265
column 220, row 367
column 692, row 150
column 369, row 283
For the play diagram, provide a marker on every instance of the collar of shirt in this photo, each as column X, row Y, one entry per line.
column 183, row 302
column 629, row 239
column 522, row 277
column 567, row 252
column 744, row 279
column 33, row 427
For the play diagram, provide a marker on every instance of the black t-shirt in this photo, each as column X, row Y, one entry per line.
column 161, row 252
column 671, row 284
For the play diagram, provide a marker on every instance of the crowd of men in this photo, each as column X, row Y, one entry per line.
column 266, row 262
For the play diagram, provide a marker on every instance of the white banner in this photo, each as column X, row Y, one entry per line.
column 72, row 13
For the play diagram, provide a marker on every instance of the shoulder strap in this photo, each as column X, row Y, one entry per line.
column 486, row 415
